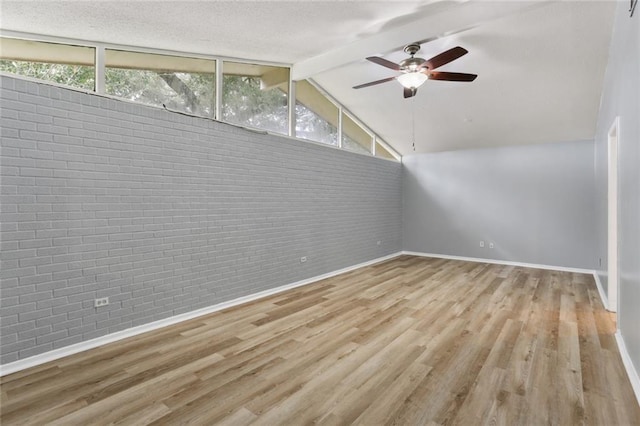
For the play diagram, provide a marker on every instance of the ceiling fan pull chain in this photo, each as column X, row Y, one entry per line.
column 413, row 122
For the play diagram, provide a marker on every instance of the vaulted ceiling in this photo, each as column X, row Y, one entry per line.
column 541, row 64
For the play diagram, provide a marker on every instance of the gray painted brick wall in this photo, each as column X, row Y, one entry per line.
column 164, row 214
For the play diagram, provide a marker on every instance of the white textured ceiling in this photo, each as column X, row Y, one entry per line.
column 540, row 64
column 277, row 31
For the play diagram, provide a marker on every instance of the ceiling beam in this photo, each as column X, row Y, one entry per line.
column 274, row 78
column 454, row 20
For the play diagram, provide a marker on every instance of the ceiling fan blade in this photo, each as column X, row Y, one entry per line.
column 445, row 57
column 409, row 92
column 451, row 76
column 381, row 61
column 373, row 83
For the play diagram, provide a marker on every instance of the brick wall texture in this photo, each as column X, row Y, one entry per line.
column 164, row 214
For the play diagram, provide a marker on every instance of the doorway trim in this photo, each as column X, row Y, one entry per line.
column 613, row 137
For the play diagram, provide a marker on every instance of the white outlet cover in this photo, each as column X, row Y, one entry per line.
column 481, row 243
column 303, row 259
column 103, row 301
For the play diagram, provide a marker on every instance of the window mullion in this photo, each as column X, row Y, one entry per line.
column 292, row 106
column 218, row 110
column 99, row 67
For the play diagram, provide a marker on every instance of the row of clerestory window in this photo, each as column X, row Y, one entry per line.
column 247, row 94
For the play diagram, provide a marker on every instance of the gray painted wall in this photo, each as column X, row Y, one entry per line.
column 534, row 202
column 165, row 214
column 621, row 97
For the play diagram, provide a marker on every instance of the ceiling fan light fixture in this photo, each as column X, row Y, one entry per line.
column 412, row 80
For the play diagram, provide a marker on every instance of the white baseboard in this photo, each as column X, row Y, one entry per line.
column 501, row 262
column 134, row 331
column 628, row 365
column 603, row 295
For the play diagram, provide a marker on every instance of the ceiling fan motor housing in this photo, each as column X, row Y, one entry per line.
column 411, row 64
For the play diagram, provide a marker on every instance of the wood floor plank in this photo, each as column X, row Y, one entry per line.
column 409, row 341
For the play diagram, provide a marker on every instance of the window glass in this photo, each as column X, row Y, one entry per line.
column 59, row 63
column 182, row 84
column 316, row 116
column 256, row 96
column 382, row 152
column 354, row 137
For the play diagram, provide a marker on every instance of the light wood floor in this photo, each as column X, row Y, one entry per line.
column 409, row 341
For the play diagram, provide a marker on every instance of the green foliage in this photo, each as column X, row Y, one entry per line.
column 244, row 102
column 186, row 92
column 71, row 75
column 311, row 126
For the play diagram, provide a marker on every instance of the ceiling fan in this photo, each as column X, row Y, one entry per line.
column 415, row 71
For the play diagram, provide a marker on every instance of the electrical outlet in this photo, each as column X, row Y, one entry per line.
column 303, row 259
column 481, row 243
column 103, row 301
column 490, row 245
